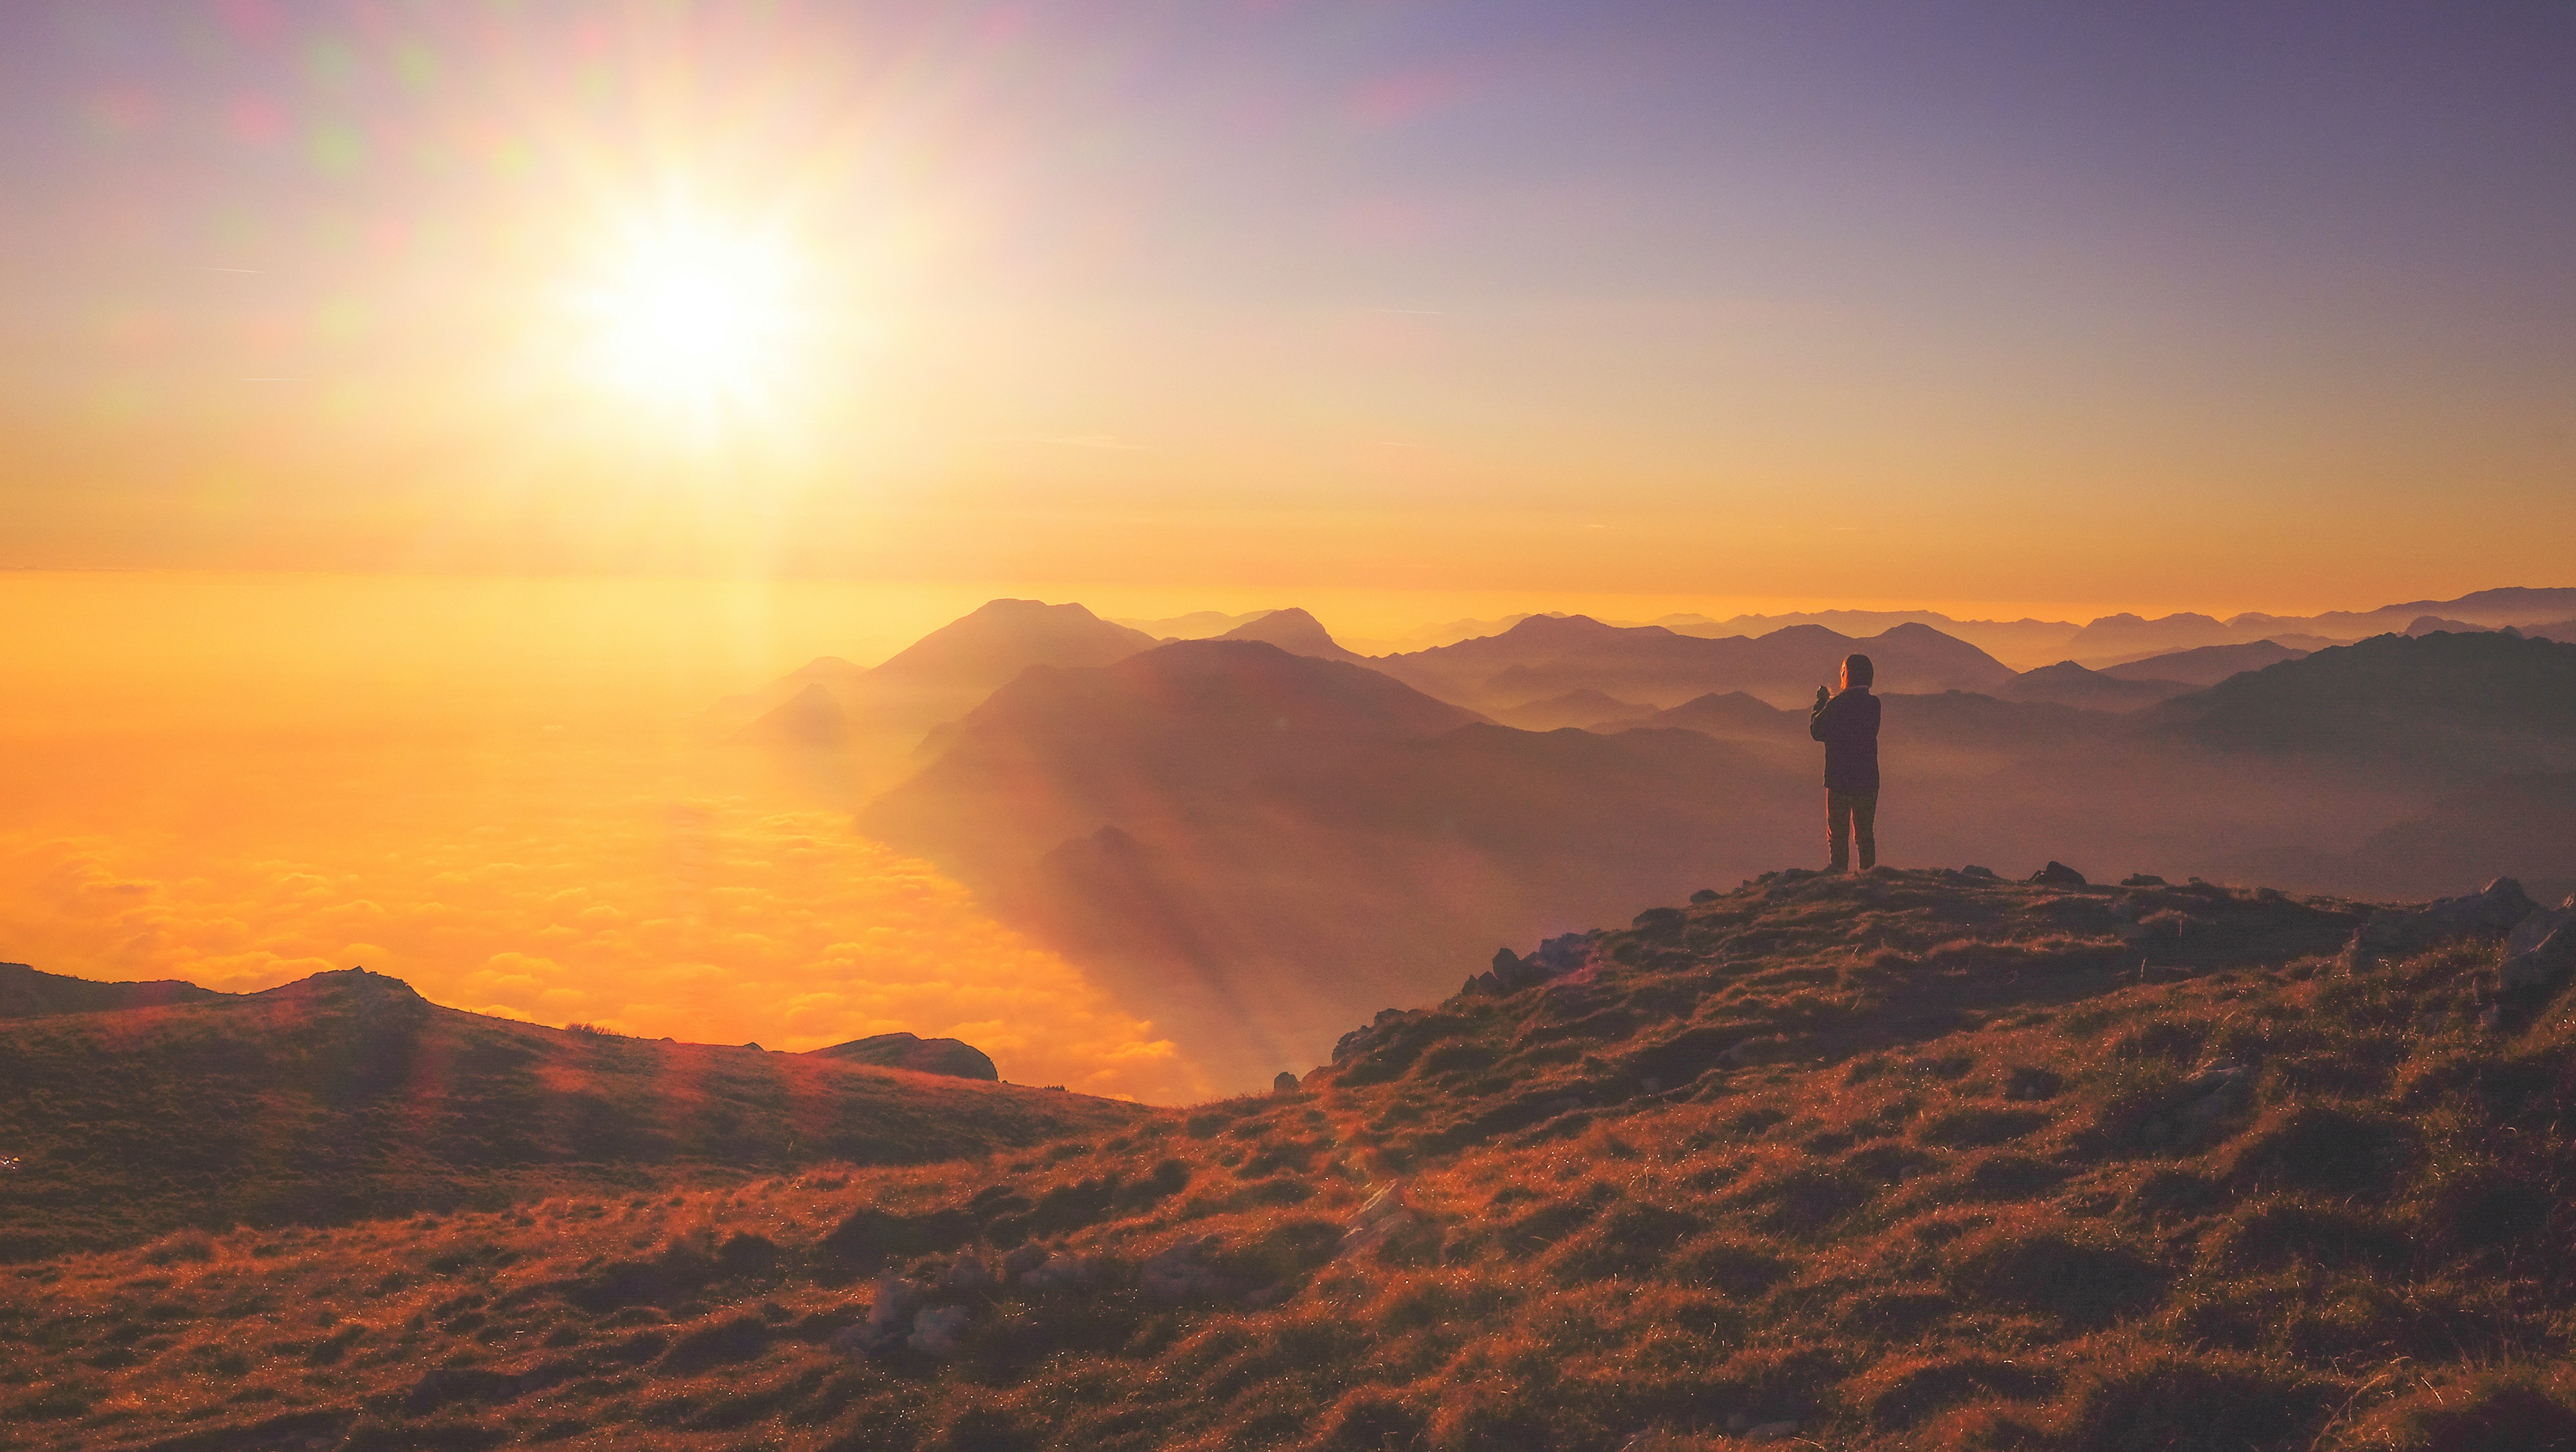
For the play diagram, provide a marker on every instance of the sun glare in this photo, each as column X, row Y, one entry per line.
column 696, row 317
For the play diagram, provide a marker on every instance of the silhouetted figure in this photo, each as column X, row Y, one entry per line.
column 1847, row 722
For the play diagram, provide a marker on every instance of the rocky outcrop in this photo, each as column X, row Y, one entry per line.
column 2393, row 933
column 2540, row 952
column 953, row 1057
column 1511, row 972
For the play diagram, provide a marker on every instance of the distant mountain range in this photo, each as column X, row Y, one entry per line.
column 1245, row 843
column 1253, row 836
column 1549, row 656
column 2112, row 639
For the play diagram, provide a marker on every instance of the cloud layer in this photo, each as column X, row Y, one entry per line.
column 654, row 888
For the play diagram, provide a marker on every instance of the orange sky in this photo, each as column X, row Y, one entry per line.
column 1237, row 303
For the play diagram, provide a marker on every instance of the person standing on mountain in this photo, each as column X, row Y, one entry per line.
column 1847, row 722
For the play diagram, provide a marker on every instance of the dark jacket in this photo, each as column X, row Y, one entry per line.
column 1848, row 725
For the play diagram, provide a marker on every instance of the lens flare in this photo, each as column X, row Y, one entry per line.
column 692, row 316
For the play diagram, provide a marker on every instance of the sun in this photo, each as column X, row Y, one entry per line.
column 692, row 316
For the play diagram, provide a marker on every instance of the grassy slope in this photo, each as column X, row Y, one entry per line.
column 347, row 1096
column 1910, row 1161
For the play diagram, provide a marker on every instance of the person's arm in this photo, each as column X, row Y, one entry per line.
column 1821, row 717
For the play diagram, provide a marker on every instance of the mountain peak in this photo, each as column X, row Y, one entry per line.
column 344, row 983
column 997, row 640
column 1294, row 631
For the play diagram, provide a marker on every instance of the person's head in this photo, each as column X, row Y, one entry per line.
column 1857, row 671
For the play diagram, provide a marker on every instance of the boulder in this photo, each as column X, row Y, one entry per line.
column 968, row 1274
column 935, row 1331
column 2058, row 874
column 1981, row 874
column 1286, row 1083
column 1555, row 958
column 952, row 1057
column 889, row 1321
column 2142, row 879
column 1378, row 1217
column 1060, row 1270
column 2541, row 949
column 2398, row 932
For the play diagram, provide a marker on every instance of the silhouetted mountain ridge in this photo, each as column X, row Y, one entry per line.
column 1547, row 656
column 27, row 993
column 346, row 1095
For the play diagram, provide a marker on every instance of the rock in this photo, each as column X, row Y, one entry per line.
column 1660, row 920
column 1023, row 1259
column 2221, row 1089
column 2142, row 879
column 1555, row 958
column 2399, row 932
column 1363, row 1038
column 968, row 1274
column 1378, row 1217
column 888, row 1323
column 1268, row 1296
column 1705, row 894
column 2541, row 949
column 2058, row 874
column 1061, row 1270
column 935, row 1331
column 923, row 1056
column 1981, row 874
column 1286, row 1083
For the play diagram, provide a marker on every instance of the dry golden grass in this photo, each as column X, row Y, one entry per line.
column 1906, row 1161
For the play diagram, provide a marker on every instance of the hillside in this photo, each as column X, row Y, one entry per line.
column 2069, row 684
column 831, row 703
column 1910, row 1161
column 1249, row 883
column 26, row 993
column 347, row 1096
column 2207, row 665
column 1254, row 845
column 2445, row 708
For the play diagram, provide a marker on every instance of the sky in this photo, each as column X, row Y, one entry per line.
column 2068, row 308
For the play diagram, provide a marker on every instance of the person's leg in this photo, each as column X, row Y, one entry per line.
column 1864, row 814
column 1838, row 815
